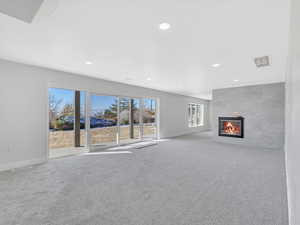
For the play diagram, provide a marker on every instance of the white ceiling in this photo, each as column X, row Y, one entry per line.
column 122, row 40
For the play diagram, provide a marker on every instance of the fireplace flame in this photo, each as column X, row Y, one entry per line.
column 230, row 128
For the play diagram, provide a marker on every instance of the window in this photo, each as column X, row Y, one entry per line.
column 149, row 118
column 121, row 120
column 196, row 115
column 104, row 120
column 130, row 129
column 61, row 118
column 67, row 132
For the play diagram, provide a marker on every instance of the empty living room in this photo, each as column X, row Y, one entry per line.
column 149, row 112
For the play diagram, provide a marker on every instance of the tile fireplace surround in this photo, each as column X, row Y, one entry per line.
column 262, row 106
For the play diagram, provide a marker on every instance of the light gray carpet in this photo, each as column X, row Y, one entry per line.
column 186, row 181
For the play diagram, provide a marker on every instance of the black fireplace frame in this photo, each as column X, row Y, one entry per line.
column 239, row 118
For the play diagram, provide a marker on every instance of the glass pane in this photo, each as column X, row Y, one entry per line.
column 61, row 118
column 136, row 109
column 149, row 118
column 129, row 120
column 199, row 115
column 82, row 118
column 124, row 119
column 190, row 115
column 104, row 119
column 194, row 115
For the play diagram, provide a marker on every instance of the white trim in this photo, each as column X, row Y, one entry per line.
column 157, row 119
column 142, row 119
column 187, row 132
column 19, row 164
column 106, row 153
column 288, row 131
column 47, row 124
column 87, row 120
column 118, row 121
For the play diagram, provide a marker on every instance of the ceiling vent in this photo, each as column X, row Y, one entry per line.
column 262, row 61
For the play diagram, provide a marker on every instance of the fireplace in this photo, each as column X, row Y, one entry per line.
column 231, row 127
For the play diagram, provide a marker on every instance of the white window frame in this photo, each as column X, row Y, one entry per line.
column 88, row 95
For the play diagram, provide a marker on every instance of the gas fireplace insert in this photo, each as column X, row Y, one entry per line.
column 231, row 127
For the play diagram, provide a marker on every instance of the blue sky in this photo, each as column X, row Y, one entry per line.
column 99, row 103
column 63, row 95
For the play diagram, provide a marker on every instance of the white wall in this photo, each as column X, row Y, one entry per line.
column 23, row 109
column 293, row 116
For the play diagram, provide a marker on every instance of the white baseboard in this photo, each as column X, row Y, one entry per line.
column 186, row 132
column 15, row 165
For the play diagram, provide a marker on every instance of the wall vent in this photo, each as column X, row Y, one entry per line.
column 262, row 61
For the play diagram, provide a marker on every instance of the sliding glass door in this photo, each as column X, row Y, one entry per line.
column 82, row 123
column 79, row 119
column 67, row 134
column 136, row 118
column 149, row 118
column 130, row 130
column 104, row 120
column 61, row 118
column 121, row 120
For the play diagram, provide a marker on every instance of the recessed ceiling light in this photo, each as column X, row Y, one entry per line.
column 236, row 80
column 149, row 78
column 216, row 65
column 88, row 63
column 164, row 26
